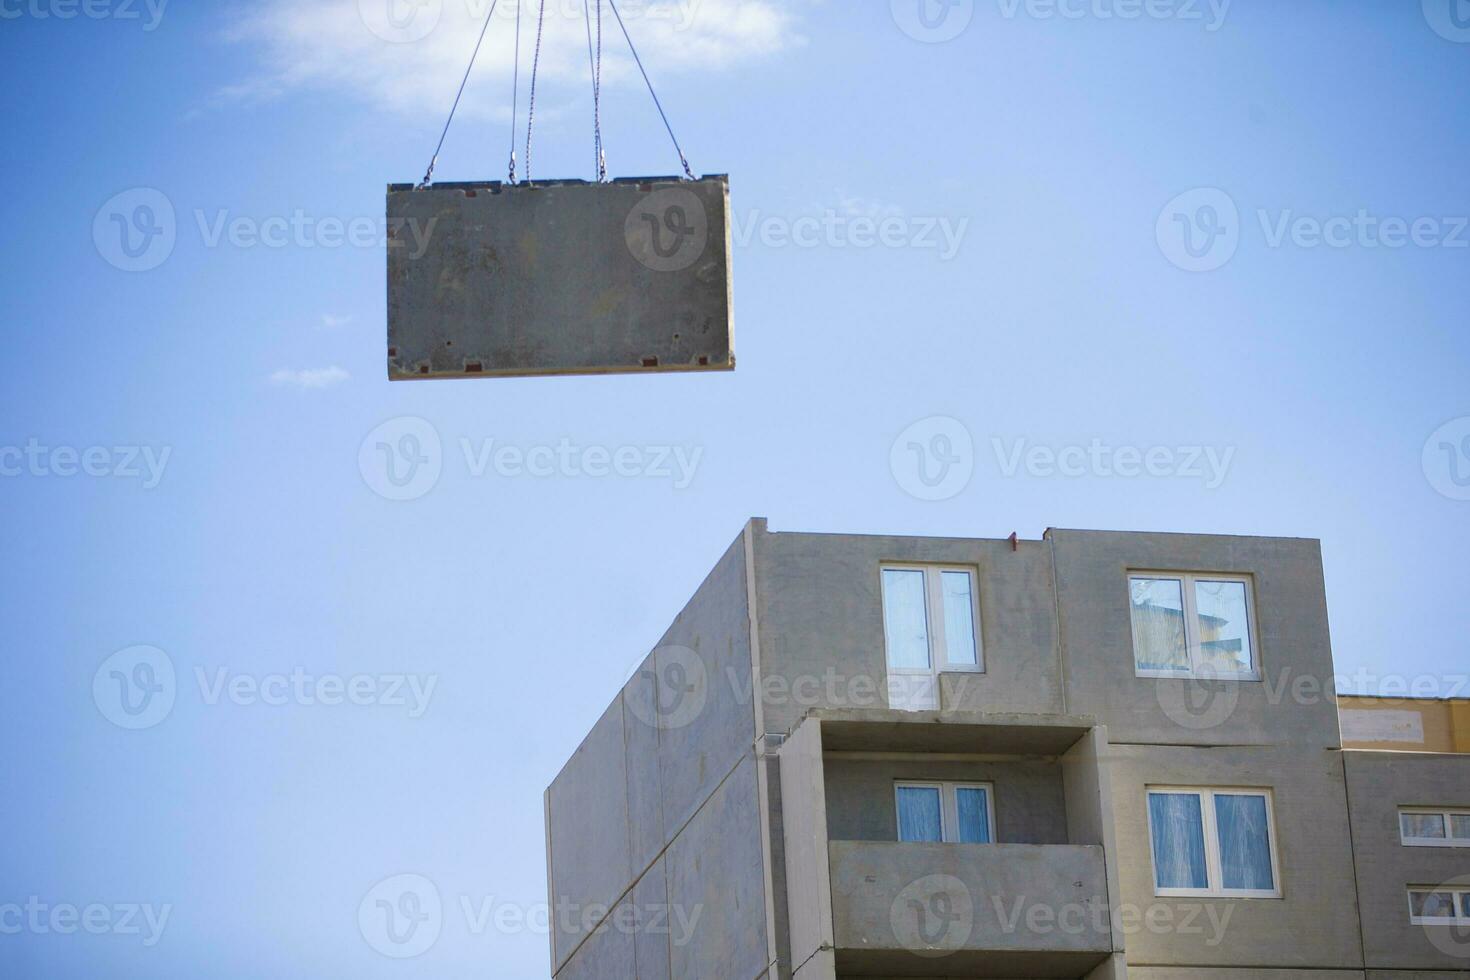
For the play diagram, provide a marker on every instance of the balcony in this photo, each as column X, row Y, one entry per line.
column 861, row 903
column 1003, row 910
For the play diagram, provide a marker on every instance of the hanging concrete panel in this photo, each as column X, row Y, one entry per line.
column 559, row 277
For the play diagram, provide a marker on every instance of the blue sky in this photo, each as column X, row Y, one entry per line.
column 1061, row 147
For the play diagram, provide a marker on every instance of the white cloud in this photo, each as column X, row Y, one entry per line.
column 341, row 45
column 332, row 321
column 309, row 378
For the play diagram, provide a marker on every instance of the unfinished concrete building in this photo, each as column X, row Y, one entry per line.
column 1097, row 755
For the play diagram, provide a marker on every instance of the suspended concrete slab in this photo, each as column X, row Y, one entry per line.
column 559, row 277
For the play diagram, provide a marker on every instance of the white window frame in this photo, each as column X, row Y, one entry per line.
column 1213, row 872
column 1458, row 897
column 949, row 806
column 934, row 612
column 1192, row 641
column 1449, row 840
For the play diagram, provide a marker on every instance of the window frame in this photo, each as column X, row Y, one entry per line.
column 949, row 808
column 1211, row 832
column 1193, row 645
column 1459, row 902
column 939, row 662
column 1448, row 840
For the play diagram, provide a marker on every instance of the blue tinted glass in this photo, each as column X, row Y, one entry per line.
column 1177, row 822
column 1245, row 842
column 959, row 619
column 918, row 814
column 974, row 816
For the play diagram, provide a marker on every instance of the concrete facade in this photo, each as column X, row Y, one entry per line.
column 559, row 277
column 751, row 774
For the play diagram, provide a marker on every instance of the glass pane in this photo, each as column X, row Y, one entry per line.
column 1158, row 624
column 1432, row 905
column 959, row 618
column 1177, row 822
column 974, row 815
column 1422, row 825
column 905, row 619
column 1245, row 842
column 1461, row 825
column 1465, row 905
column 1224, row 627
column 918, row 814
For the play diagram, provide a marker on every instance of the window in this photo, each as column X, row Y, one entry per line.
column 1439, row 906
column 958, row 813
column 1213, row 842
column 1421, row 827
column 1192, row 625
column 929, row 619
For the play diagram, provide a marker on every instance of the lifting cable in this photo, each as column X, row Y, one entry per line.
column 515, row 94
column 595, row 59
column 688, row 174
column 429, row 174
